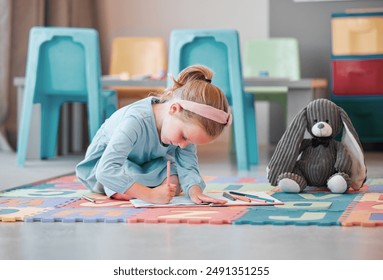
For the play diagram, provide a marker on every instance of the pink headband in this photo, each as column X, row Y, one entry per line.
column 206, row 111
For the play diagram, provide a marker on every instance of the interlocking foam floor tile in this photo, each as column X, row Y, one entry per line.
column 375, row 189
column 258, row 216
column 59, row 200
column 34, row 202
column 367, row 211
column 65, row 179
column 377, row 197
column 368, row 206
column 363, row 218
column 100, row 203
column 13, row 214
column 190, row 215
column 68, row 186
column 37, row 192
column 374, row 181
column 85, row 215
column 43, row 185
column 313, row 201
column 261, row 187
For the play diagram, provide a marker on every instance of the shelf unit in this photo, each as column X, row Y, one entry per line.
column 357, row 71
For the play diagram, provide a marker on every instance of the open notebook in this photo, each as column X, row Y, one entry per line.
column 253, row 199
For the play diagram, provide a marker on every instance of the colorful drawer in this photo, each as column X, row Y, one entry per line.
column 360, row 77
column 357, row 71
column 357, row 34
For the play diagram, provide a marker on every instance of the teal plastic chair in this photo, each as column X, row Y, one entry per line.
column 63, row 65
column 219, row 50
column 276, row 58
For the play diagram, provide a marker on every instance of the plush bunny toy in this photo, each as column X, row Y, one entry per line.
column 319, row 161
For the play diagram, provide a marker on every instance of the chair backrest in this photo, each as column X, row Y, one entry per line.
column 138, row 56
column 274, row 57
column 63, row 61
column 216, row 49
column 219, row 50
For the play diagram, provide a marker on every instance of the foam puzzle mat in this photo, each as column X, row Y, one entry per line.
column 60, row 200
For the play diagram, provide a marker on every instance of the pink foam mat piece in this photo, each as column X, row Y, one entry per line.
column 363, row 218
column 366, row 211
column 189, row 215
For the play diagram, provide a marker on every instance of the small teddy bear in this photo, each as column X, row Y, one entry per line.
column 321, row 160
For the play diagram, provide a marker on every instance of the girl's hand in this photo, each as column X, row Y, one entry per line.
column 198, row 197
column 162, row 194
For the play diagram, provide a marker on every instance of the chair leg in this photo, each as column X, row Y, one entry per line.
column 50, row 117
column 251, row 130
column 109, row 102
column 240, row 139
column 23, row 131
column 95, row 116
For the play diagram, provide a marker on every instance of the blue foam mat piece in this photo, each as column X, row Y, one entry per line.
column 85, row 215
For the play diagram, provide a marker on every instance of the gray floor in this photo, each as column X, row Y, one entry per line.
column 179, row 241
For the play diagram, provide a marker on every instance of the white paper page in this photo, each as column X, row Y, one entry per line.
column 184, row 201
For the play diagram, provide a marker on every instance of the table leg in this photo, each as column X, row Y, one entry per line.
column 297, row 99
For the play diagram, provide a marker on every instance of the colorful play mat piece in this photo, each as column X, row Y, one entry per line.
column 60, row 200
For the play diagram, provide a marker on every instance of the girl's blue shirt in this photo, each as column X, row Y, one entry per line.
column 128, row 149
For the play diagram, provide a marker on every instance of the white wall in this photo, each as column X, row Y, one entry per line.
column 159, row 17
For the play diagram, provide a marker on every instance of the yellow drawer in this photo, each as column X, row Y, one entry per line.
column 357, row 35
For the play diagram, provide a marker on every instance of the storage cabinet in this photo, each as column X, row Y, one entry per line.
column 357, row 71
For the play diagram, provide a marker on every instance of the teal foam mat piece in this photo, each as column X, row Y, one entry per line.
column 260, row 216
column 313, row 201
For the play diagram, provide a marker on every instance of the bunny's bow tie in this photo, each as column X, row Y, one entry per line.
column 325, row 141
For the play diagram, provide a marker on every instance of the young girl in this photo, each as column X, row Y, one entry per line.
column 128, row 156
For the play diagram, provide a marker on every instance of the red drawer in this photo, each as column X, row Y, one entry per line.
column 357, row 77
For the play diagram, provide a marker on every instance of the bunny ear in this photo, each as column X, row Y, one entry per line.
column 352, row 143
column 287, row 150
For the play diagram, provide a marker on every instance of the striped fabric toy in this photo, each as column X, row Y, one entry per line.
column 321, row 160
